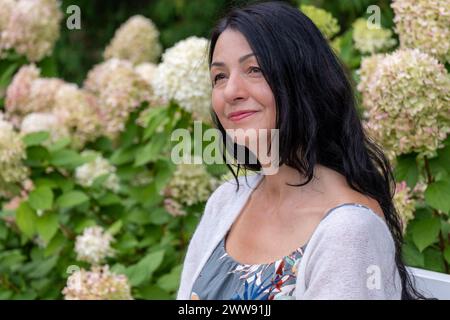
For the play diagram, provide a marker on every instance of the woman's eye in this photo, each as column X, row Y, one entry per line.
column 255, row 69
column 218, row 77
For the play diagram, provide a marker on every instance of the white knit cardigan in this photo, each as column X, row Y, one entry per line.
column 351, row 254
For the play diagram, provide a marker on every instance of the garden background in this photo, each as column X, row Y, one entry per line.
column 92, row 207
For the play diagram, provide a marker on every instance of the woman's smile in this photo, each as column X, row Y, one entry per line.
column 237, row 116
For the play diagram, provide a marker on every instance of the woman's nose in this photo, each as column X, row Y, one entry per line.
column 235, row 89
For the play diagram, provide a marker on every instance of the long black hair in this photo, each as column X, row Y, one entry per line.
column 315, row 108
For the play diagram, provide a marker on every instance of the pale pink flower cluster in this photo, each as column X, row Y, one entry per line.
column 424, row 24
column 404, row 203
column 407, row 99
column 79, row 112
column 98, row 284
column 183, row 76
column 75, row 109
column 29, row 93
column 120, row 90
column 136, row 40
column 12, row 153
column 94, row 245
column 174, row 208
column 30, row 27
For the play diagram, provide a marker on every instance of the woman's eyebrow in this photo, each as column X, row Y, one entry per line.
column 241, row 59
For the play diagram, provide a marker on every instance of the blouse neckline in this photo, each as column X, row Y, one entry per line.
column 300, row 250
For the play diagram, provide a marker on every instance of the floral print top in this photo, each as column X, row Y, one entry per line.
column 223, row 278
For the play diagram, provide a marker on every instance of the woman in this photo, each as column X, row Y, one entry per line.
column 324, row 225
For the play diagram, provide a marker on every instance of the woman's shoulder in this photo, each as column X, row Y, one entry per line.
column 354, row 224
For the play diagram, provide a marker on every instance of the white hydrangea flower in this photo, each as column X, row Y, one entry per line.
column 98, row 284
column 147, row 71
column 183, row 75
column 424, row 24
column 190, row 184
column 136, row 40
column 32, row 28
column 86, row 174
column 35, row 122
column 12, row 153
column 371, row 40
column 407, row 103
column 94, row 245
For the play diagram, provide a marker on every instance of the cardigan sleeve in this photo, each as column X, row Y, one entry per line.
column 351, row 256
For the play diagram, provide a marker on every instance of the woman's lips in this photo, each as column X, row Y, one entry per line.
column 242, row 115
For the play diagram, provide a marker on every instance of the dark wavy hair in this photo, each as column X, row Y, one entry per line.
column 316, row 108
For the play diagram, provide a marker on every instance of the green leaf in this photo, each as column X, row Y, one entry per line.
column 7, row 74
column 159, row 216
column 66, row 158
column 48, row 67
column 71, row 199
column 46, row 182
column 122, row 156
column 109, row 199
column 447, row 254
column 152, row 292
column 41, row 198
column 444, row 155
column 47, row 226
column 434, row 260
column 115, row 227
column 170, row 281
column 152, row 150
column 437, row 195
column 3, row 231
column 26, row 219
column 37, row 156
column 100, row 180
column 55, row 245
column 412, row 256
column 164, row 170
column 35, row 138
column 143, row 270
column 60, row 144
column 155, row 117
column 11, row 260
column 44, row 267
column 146, row 195
column 425, row 232
column 406, row 169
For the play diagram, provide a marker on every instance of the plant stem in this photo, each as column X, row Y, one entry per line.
column 436, row 214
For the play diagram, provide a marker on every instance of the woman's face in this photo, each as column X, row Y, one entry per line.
column 241, row 97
